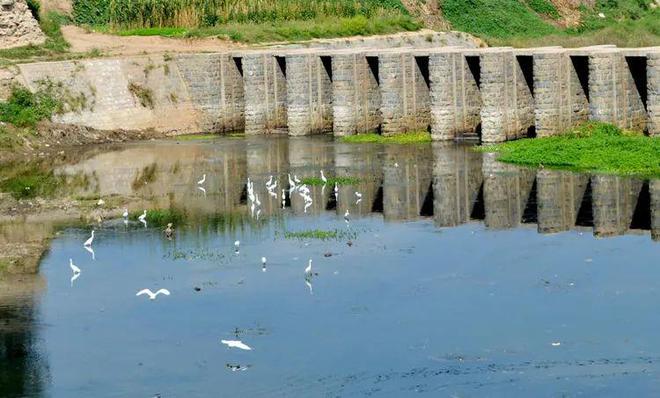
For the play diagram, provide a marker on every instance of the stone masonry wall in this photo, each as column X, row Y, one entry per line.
column 613, row 93
column 455, row 97
column 653, row 93
column 356, row 95
column 17, row 25
column 508, row 104
column 309, row 95
column 187, row 93
column 560, row 101
column 405, row 102
column 264, row 79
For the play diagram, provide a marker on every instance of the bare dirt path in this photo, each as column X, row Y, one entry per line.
column 82, row 40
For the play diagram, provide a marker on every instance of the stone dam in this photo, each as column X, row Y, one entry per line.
column 490, row 94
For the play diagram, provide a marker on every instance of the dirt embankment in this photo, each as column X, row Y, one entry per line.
column 52, row 138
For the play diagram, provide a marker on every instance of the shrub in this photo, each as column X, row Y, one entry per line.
column 26, row 109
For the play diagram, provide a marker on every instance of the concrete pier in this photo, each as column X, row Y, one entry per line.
column 404, row 91
column 308, row 93
column 454, row 94
column 264, row 79
column 356, row 94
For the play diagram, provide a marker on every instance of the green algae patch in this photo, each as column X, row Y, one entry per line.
column 195, row 137
column 591, row 147
column 317, row 181
column 418, row 137
column 320, row 234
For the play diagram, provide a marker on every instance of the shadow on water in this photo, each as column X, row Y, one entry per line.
column 406, row 191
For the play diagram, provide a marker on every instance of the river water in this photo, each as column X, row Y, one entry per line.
column 454, row 276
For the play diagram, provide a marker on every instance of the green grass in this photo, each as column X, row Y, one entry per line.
column 204, row 13
column 642, row 32
column 160, row 217
column 331, row 181
column 544, row 7
column 298, row 30
column 405, row 138
column 26, row 109
column 591, row 147
column 320, row 234
column 495, row 18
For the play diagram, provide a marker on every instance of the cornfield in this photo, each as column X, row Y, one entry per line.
column 197, row 13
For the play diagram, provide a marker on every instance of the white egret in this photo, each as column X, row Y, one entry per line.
column 308, row 270
column 292, row 183
column 89, row 241
column 143, row 218
column 73, row 267
column 237, row 246
column 263, row 261
column 325, row 180
column 101, row 202
column 396, row 164
column 202, row 181
column 236, row 344
column 125, row 215
column 358, row 194
column 152, row 295
column 272, row 187
column 269, row 182
column 346, row 216
column 296, row 179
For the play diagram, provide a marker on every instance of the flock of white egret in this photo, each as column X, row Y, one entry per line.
column 295, row 186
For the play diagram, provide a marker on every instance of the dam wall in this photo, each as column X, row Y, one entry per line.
column 490, row 94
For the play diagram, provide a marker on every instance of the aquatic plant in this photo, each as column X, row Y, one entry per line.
column 591, row 147
column 320, row 234
column 404, row 138
column 339, row 180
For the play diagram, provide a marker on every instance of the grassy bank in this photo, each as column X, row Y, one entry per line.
column 592, row 147
column 529, row 23
column 318, row 28
column 249, row 21
column 316, row 181
column 405, row 138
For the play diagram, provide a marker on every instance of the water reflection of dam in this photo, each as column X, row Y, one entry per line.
column 450, row 183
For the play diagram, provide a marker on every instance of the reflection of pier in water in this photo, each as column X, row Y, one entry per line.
column 450, row 183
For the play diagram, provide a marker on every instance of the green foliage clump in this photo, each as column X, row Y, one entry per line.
column 161, row 217
column 331, row 181
column 590, row 147
column 544, row 7
column 405, row 138
column 26, row 109
column 34, row 7
column 495, row 18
